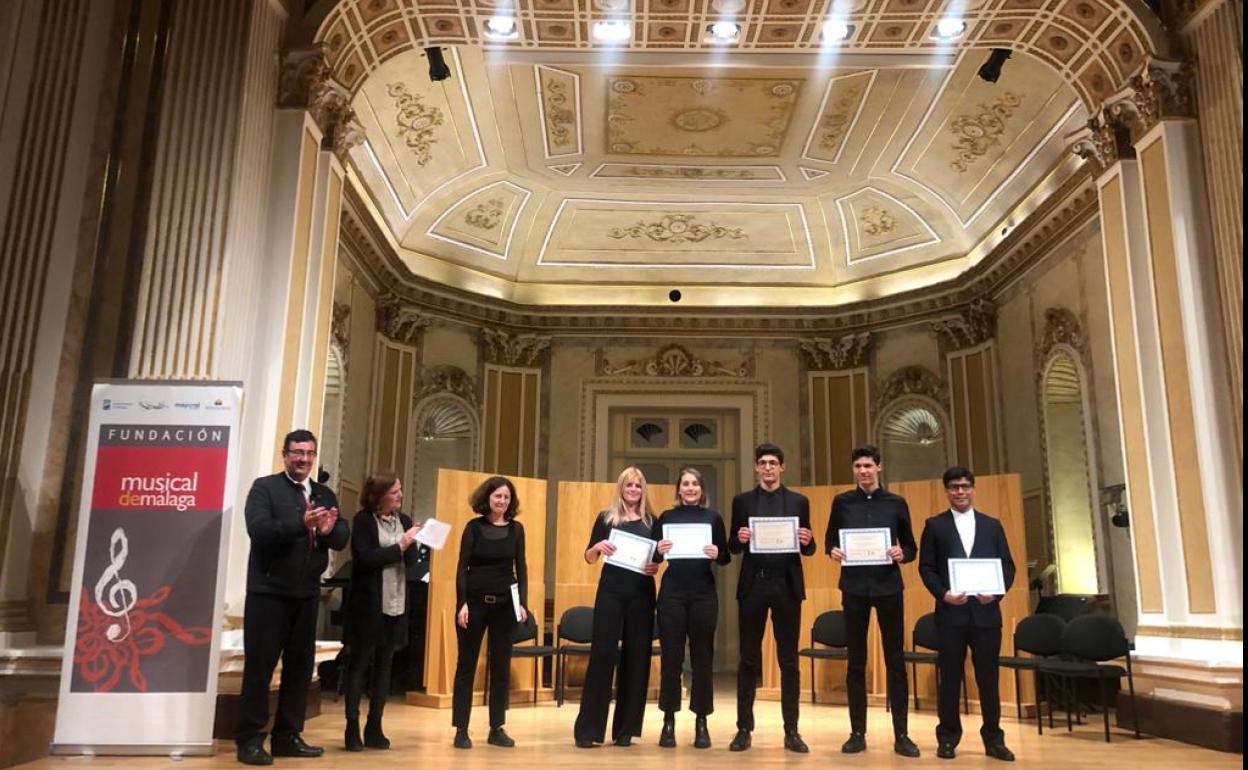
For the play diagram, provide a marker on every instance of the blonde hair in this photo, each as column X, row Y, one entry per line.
column 614, row 516
column 704, row 501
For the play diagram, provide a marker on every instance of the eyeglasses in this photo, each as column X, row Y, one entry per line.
column 300, row 453
column 960, row 487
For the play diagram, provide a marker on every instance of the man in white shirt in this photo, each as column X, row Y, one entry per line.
column 964, row 621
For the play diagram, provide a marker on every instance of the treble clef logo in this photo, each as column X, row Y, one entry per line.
column 122, row 594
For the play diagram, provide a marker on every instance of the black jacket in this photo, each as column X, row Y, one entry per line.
column 368, row 559
column 856, row 509
column 743, row 507
column 940, row 543
column 283, row 562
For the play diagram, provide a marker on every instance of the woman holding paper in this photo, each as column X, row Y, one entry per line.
column 491, row 576
column 376, row 620
column 691, row 537
column 623, row 615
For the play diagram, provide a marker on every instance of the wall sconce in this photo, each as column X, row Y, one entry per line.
column 1115, row 506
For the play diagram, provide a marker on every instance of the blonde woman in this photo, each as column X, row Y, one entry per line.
column 623, row 622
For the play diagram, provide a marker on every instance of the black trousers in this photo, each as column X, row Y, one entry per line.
column 890, row 613
column 687, row 615
column 275, row 627
column 379, row 652
column 985, row 644
column 409, row 663
column 626, row 620
column 499, row 618
column 769, row 595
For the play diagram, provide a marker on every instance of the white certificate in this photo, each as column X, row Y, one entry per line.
column 976, row 576
column 631, row 552
column 433, row 533
column 688, row 540
column 774, row 534
column 866, row 546
column 515, row 600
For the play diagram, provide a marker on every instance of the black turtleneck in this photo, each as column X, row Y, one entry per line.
column 693, row 574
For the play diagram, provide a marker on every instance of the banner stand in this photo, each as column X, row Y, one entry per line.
column 143, row 632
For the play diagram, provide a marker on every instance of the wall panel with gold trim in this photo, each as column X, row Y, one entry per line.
column 512, row 419
column 974, row 407
column 839, row 416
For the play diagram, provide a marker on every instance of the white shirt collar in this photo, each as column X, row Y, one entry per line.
column 305, row 485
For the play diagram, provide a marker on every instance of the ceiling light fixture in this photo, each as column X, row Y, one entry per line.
column 724, row 32
column 949, row 29
column 835, row 29
column 501, row 28
column 437, row 64
column 613, row 31
column 991, row 69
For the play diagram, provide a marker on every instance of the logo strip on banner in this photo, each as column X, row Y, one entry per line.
column 143, row 634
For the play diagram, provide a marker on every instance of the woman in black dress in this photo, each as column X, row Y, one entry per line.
column 623, row 622
column 381, row 545
column 491, row 559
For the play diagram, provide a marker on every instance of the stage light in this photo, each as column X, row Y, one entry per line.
column 612, row 31
column 501, row 28
column 991, row 69
column 724, row 32
column 949, row 29
column 437, row 64
column 835, row 30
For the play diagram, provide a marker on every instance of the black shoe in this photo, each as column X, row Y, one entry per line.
column 857, row 743
column 793, row 742
column 667, row 736
column 946, row 751
column 623, row 740
column 351, row 739
column 584, row 744
column 462, row 741
column 254, row 754
column 999, row 751
column 293, row 745
column 741, row 741
column 701, row 736
column 374, row 738
column 499, row 737
column 904, row 746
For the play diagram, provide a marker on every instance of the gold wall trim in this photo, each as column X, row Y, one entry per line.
column 1197, row 561
column 1193, row 632
column 325, row 299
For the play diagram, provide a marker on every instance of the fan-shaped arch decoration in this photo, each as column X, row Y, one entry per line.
column 914, row 438
column 913, row 423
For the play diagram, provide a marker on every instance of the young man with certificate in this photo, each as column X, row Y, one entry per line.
column 771, row 581
column 967, row 615
column 869, row 534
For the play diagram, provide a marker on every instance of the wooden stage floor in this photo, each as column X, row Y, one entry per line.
column 421, row 738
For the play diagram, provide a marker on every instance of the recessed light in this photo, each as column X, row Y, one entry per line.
column 724, row 32
column 501, row 28
column 835, row 29
column 949, row 29
column 613, row 31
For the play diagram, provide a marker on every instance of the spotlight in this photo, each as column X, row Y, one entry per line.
column 949, row 29
column 724, row 32
column 501, row 28
column 991, row 69
column 612, row 31
column 437, row 64
column 835, row 29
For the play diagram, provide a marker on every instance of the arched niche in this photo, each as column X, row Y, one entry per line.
column 913, row 435
column 332, row 415
column 1069, row 472
column 445, row 433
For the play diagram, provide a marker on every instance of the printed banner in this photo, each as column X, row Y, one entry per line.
column 143, row 634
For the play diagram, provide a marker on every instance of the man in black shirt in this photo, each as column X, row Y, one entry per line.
column 769, row 582
column 878, row 586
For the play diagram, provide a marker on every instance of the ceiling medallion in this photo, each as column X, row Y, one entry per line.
column 677, row 228
column 982, row 131
column 698, row 119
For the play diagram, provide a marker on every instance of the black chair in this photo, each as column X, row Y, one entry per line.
column 924, row 648
column 1040, row 636
column 829, row 631
column 527, row 632
column 1088, row 642
column 1066, row 606
column 576, row 626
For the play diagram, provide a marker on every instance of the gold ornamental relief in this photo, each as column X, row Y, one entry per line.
column 980, row 132
column 560, row 118
column 416, row 120
column 677, row 228
column 485, row 216
column 876, row 220
column 835, row 124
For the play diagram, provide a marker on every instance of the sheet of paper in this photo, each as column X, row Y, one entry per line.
column 631, row 552
column 866, row 546
column 773, row 534
column 976, row 576
column 433, row 533
column 688, row 540
column 515, row 600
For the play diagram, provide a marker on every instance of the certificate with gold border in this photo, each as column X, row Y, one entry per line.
column 773, row 534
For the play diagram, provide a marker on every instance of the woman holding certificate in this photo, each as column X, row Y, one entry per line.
column 623, row 535
column 382, row 540
column 691, row 537
column 491, row 588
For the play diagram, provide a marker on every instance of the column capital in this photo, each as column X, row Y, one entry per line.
column 306, row 83
column 848, row 352
column 500, row 347
column 399, row 322
column 975, row 325
column 1162, row 90
column 1106, row 139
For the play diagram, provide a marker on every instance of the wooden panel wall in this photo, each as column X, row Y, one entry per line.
column 973, row 407
column 441, row 645
column 833, row 395
column 512, row 419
